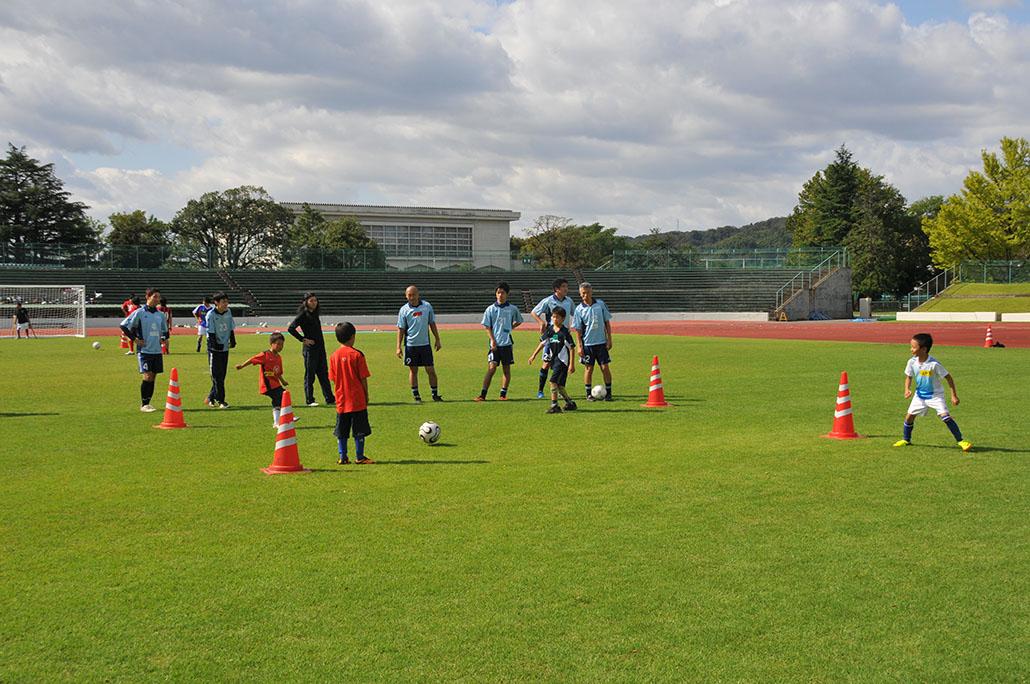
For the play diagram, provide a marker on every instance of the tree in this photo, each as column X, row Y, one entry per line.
column 238, row 228
column 550, row 242
column 825, row 212
column 35, row 208
column 137, row 229
column 317, row 243
column 990, row 219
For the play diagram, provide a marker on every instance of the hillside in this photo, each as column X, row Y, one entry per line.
column 763, row 234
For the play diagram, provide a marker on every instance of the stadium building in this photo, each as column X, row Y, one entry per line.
column 430, row 237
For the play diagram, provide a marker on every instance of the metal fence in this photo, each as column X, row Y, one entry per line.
column 969, row 271
column 781, row 257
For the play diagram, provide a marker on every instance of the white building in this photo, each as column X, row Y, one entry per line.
column 431, row 237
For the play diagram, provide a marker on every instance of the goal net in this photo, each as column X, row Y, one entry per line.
column 50, row 310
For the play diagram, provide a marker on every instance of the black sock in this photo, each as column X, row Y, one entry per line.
column 482, row 395
column 543, row 379
column 146, row 391
column 504, row 391
column 414, row 392
column 608, row 389
column 433, row 390
column 588, row 390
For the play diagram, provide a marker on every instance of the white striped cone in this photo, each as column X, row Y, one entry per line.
column 843, row 422
column 173, row 405
column 989, row 341
column 286, row 458
column 655, row 393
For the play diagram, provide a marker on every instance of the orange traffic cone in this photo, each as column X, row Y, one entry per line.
column 989, row 341
column 843, row 423
column 656, row 395
column 286, row 458
column 125, row 342
column 173, row 405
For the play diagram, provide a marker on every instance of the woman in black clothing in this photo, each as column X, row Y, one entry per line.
column 314, row 350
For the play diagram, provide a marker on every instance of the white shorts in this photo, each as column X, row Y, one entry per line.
column 920, row 406
column 22, row 326
column 201, row 330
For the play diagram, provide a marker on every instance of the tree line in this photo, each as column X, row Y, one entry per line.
column 894, row 245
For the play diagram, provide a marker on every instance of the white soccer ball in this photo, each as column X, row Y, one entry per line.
column 96, row 345
column 429, row 432
column 598, row 392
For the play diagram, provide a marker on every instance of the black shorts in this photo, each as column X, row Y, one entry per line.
column 421, row 355
column 276, row 395
column 559, row 374
column 151, row 363
column 356, row 421
column 595, row 353
column 504, row 356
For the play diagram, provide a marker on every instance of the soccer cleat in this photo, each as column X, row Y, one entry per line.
column 418, row 400
column 343, row 460
column 569, row 406
column 902, row 442
column 539, row 395
column 966, row 446
column 147, row 408
column 222, row 405
column 502, row 398
column 363, row 461
column 128, row 353
column 590, row 397
column 553, row 409
column 207, row 400
column 608, row 397
column 437, row 397
column 312, row 403
column 479, row 399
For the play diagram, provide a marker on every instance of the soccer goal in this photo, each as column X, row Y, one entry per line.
column 50, row 310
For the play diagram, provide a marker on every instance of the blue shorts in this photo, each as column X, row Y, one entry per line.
column 356, row 421
column 504, row 356
column 421, row 355
column 559, row 374
column 595, row 353
column 151, row 363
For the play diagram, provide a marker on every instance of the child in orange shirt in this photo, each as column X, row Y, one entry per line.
column 349, row 373
column 271, row 382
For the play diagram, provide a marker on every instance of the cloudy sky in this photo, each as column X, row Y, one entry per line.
column 688, row 113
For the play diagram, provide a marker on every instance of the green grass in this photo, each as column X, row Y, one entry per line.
column 981, row 301
column 718, row 541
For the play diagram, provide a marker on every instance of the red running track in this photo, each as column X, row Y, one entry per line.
column 957, row 334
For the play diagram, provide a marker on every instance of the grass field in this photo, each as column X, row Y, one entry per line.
column 718, row 541
column 980, row 299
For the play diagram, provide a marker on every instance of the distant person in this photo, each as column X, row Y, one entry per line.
column 270, row 380
column 349, row 373
column 21, row 320
column 313, row 349
column 558, row 344
column 415, row 321
column 149, row 327
column 542, row 313
column 167, row 311
column 128, row 306
column 929, row 392
column 593, row 332
column 499, row 319
column 221, row 337
column 200, row 313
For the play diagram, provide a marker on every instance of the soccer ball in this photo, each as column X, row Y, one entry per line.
column 598, row 392
column 429, row 432
column 96, row 345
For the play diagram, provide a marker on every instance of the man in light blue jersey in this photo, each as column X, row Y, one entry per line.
column 542, row 313
column 221, row 337
column 499, row 319
column 593, row 331
column 148, row 327
column 415, row 321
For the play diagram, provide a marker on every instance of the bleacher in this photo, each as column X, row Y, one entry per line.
column 366, row 292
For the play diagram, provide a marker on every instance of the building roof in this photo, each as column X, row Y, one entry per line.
column 406, row 212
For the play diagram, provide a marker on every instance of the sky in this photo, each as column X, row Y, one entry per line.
column 671, row 114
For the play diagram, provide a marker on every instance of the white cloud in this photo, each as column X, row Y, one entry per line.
column 710, row 112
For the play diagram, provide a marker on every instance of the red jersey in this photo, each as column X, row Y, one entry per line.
column 271, row 368
column 346, row 369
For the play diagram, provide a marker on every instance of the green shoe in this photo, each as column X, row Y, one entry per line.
column 966, row 446
column 902, row 442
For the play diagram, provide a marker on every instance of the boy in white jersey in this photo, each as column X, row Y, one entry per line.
column 929, row 392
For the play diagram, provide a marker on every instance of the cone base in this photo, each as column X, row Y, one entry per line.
column 279, row 470
column 169, row 426
column 654, row 404
column 845, row 435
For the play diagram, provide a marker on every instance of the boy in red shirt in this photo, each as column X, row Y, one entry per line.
column 271, row 381
column 349, row 373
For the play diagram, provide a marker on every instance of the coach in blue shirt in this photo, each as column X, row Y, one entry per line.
column 415, row 321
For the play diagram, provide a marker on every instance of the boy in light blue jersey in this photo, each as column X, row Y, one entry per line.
column 148, row 327
column 542, row 313
column 415, row 321
column 221, row 337
column 499, row 319
column 929, row 393
column 593, row 331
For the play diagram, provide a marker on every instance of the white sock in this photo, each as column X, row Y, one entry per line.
column 275, row 415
